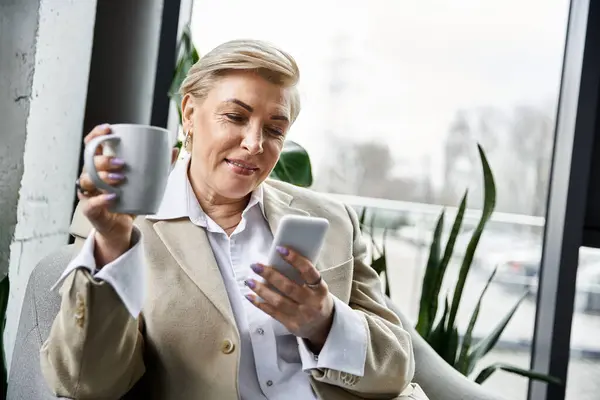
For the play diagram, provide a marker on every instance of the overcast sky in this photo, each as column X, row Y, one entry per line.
column 416, row 62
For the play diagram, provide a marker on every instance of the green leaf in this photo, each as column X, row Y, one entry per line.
column 463, row 359
column 484, row 374
column 187, row 56
column 294, row 165
column 361, row 222
column 428, row 305
column 363, row 214
column 489, row 204
column 384, row 266
column 195, row 55
column 444, row 339
column 451, row 346
column 379, row 264
column 387, row 284
column 376, row 248
column 485, row 345
column 449, row 249
column 437, row 337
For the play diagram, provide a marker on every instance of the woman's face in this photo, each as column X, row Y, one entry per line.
column 238, row 133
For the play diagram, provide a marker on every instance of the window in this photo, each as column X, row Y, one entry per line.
column 584, row 364
column 396, row 94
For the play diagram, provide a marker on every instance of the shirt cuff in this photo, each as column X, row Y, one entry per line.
column 126, row 274
column 345, row 349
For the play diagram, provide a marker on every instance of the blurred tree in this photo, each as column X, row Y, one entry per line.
column 458, row 159
column 532, row 140
column 365, row 169
column 373, row 166
column 519, row 145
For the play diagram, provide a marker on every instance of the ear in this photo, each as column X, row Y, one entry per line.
column 187, row 111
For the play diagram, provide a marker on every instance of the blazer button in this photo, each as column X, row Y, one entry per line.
column 227, row 346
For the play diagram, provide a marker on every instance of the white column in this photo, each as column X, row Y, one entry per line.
column 45, row 50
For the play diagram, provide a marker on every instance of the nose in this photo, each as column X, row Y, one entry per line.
column 253, row 141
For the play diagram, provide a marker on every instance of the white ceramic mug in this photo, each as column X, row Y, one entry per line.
column 146, row 151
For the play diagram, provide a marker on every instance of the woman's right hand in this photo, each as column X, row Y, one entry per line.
column 113, row 231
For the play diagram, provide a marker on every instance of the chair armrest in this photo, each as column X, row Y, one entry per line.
column 439, row 380
column 40, row 306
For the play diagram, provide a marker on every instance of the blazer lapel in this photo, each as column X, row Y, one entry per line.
column 277, row 204
column 190, row 247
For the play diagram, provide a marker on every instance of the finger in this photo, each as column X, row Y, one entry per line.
column 85, row 182
column 286, row 286
column 81, row 196
column 107, row 163
column 267, row 308
column 279, row 302
column 95, row 206
column 112, row 178
column 307, row 270
column 99, row 130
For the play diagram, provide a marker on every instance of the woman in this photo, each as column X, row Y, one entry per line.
column 169, row 306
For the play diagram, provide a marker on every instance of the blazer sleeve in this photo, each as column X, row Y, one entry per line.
column 95, row 346
column 389, row 363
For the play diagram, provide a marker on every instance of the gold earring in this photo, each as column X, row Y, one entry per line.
column 187, row 144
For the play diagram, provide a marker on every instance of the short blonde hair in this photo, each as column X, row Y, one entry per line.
column 265, row 59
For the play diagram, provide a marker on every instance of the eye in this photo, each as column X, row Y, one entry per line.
column 274, row 131
column 235, row 117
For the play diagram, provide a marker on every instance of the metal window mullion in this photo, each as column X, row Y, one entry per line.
column 565, row 215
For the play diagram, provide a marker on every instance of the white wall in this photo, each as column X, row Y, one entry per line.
column 17, row 52
column 45, row 47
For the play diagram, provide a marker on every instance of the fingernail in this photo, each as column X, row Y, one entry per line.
column 283, row 251
column 117, row 161
column 116, row 176
column 250, row 283
column 257, row 268
column 111, row 196
column 105, row 126
column 249, row 297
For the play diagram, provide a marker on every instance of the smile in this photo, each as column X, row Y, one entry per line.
column 241, row 167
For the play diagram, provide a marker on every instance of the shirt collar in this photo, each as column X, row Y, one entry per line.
column 179, row 200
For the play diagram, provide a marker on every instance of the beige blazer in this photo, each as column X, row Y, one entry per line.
column 185, row 344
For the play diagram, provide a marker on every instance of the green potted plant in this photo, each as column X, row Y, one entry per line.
column 437, row 322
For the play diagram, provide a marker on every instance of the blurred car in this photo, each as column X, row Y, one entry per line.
column 381, row 219
column 502, row 247
column 519, row 269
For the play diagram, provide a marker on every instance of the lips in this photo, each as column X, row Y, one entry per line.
column 241, row 164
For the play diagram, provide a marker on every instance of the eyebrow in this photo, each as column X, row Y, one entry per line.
column 249, row 108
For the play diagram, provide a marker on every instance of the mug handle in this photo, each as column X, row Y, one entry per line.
column 88, row 162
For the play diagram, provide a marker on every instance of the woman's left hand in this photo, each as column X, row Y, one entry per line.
column 306, row 311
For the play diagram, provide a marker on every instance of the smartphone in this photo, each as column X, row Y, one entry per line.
column 303, row 234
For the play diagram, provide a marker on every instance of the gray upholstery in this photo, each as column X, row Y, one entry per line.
column 436, row 377
column 40, row 306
